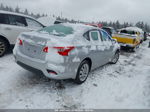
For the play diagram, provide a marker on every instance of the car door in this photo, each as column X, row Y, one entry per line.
column 97, row 51
column 16, row 25
column 4, row 22
column 108, row 44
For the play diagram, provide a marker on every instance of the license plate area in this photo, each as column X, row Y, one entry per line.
column 32, row 50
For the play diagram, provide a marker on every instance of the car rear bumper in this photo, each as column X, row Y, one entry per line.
column 128, row 45
column 38, row 66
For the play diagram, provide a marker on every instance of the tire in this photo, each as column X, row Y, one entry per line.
column 3, row 47
column 115, row 58
column 83, row 72
column 135, row 48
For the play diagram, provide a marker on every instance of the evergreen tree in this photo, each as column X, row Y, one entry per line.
column 17, row 9
column 116, row 25
column 26, row 12
column 2, row 7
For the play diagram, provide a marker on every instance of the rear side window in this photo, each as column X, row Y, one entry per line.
column 17, row 20
column 33, row 24
column 105, row 36
column 4, row 19
column 94, row 35
column 86, row 36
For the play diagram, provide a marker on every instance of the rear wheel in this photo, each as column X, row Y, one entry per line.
column 115, row 58
column 135, row 48
column 3, row 47
column 83, row 72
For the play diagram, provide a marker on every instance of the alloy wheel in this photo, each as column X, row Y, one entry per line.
column 2, row 48
column 84, row 71
column 115, row 58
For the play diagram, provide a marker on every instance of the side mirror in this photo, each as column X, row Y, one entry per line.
column 114, row 40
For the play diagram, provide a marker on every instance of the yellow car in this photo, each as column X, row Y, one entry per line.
column 128, row 37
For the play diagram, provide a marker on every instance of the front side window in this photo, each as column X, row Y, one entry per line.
column 94, row 35
column 105, row 36
column 33, row 24
column 58, row 30
column 4, row 19
column 17, row 20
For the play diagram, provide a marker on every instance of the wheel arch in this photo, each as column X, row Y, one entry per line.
column 89, row 60
column 4, row 38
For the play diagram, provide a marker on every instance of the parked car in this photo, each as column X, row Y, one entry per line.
column 109, row 30
column 66, row 51
column 11, row 25
column 129, row 37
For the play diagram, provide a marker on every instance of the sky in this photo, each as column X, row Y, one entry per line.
column 89, row 10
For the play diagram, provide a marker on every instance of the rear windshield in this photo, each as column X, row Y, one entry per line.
column 58, row 30
column 128, row 32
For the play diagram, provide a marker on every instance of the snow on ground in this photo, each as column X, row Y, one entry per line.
column 125, row 85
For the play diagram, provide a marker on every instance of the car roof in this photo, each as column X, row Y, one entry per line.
column 13, row 13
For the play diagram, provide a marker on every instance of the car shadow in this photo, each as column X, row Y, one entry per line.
column 32, row 80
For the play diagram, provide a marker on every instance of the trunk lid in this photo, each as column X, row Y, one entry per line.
column 33, row 45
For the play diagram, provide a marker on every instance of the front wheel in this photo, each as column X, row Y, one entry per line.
column 83, row 72
column 3, row 47
column 115, row 58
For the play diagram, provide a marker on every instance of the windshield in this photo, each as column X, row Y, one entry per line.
column 58, row 30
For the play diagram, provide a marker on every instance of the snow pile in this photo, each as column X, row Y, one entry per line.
column 47, row 21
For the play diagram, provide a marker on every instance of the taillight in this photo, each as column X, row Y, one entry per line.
column 20, row 42
column 64, row 51
column 45, row 49
column 134, row 40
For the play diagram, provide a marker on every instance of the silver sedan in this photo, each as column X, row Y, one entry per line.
column 66, row 51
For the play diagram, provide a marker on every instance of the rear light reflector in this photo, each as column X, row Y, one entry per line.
column 51, row 72
column 20, row 42
column 135, row 41
column 64, row 51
